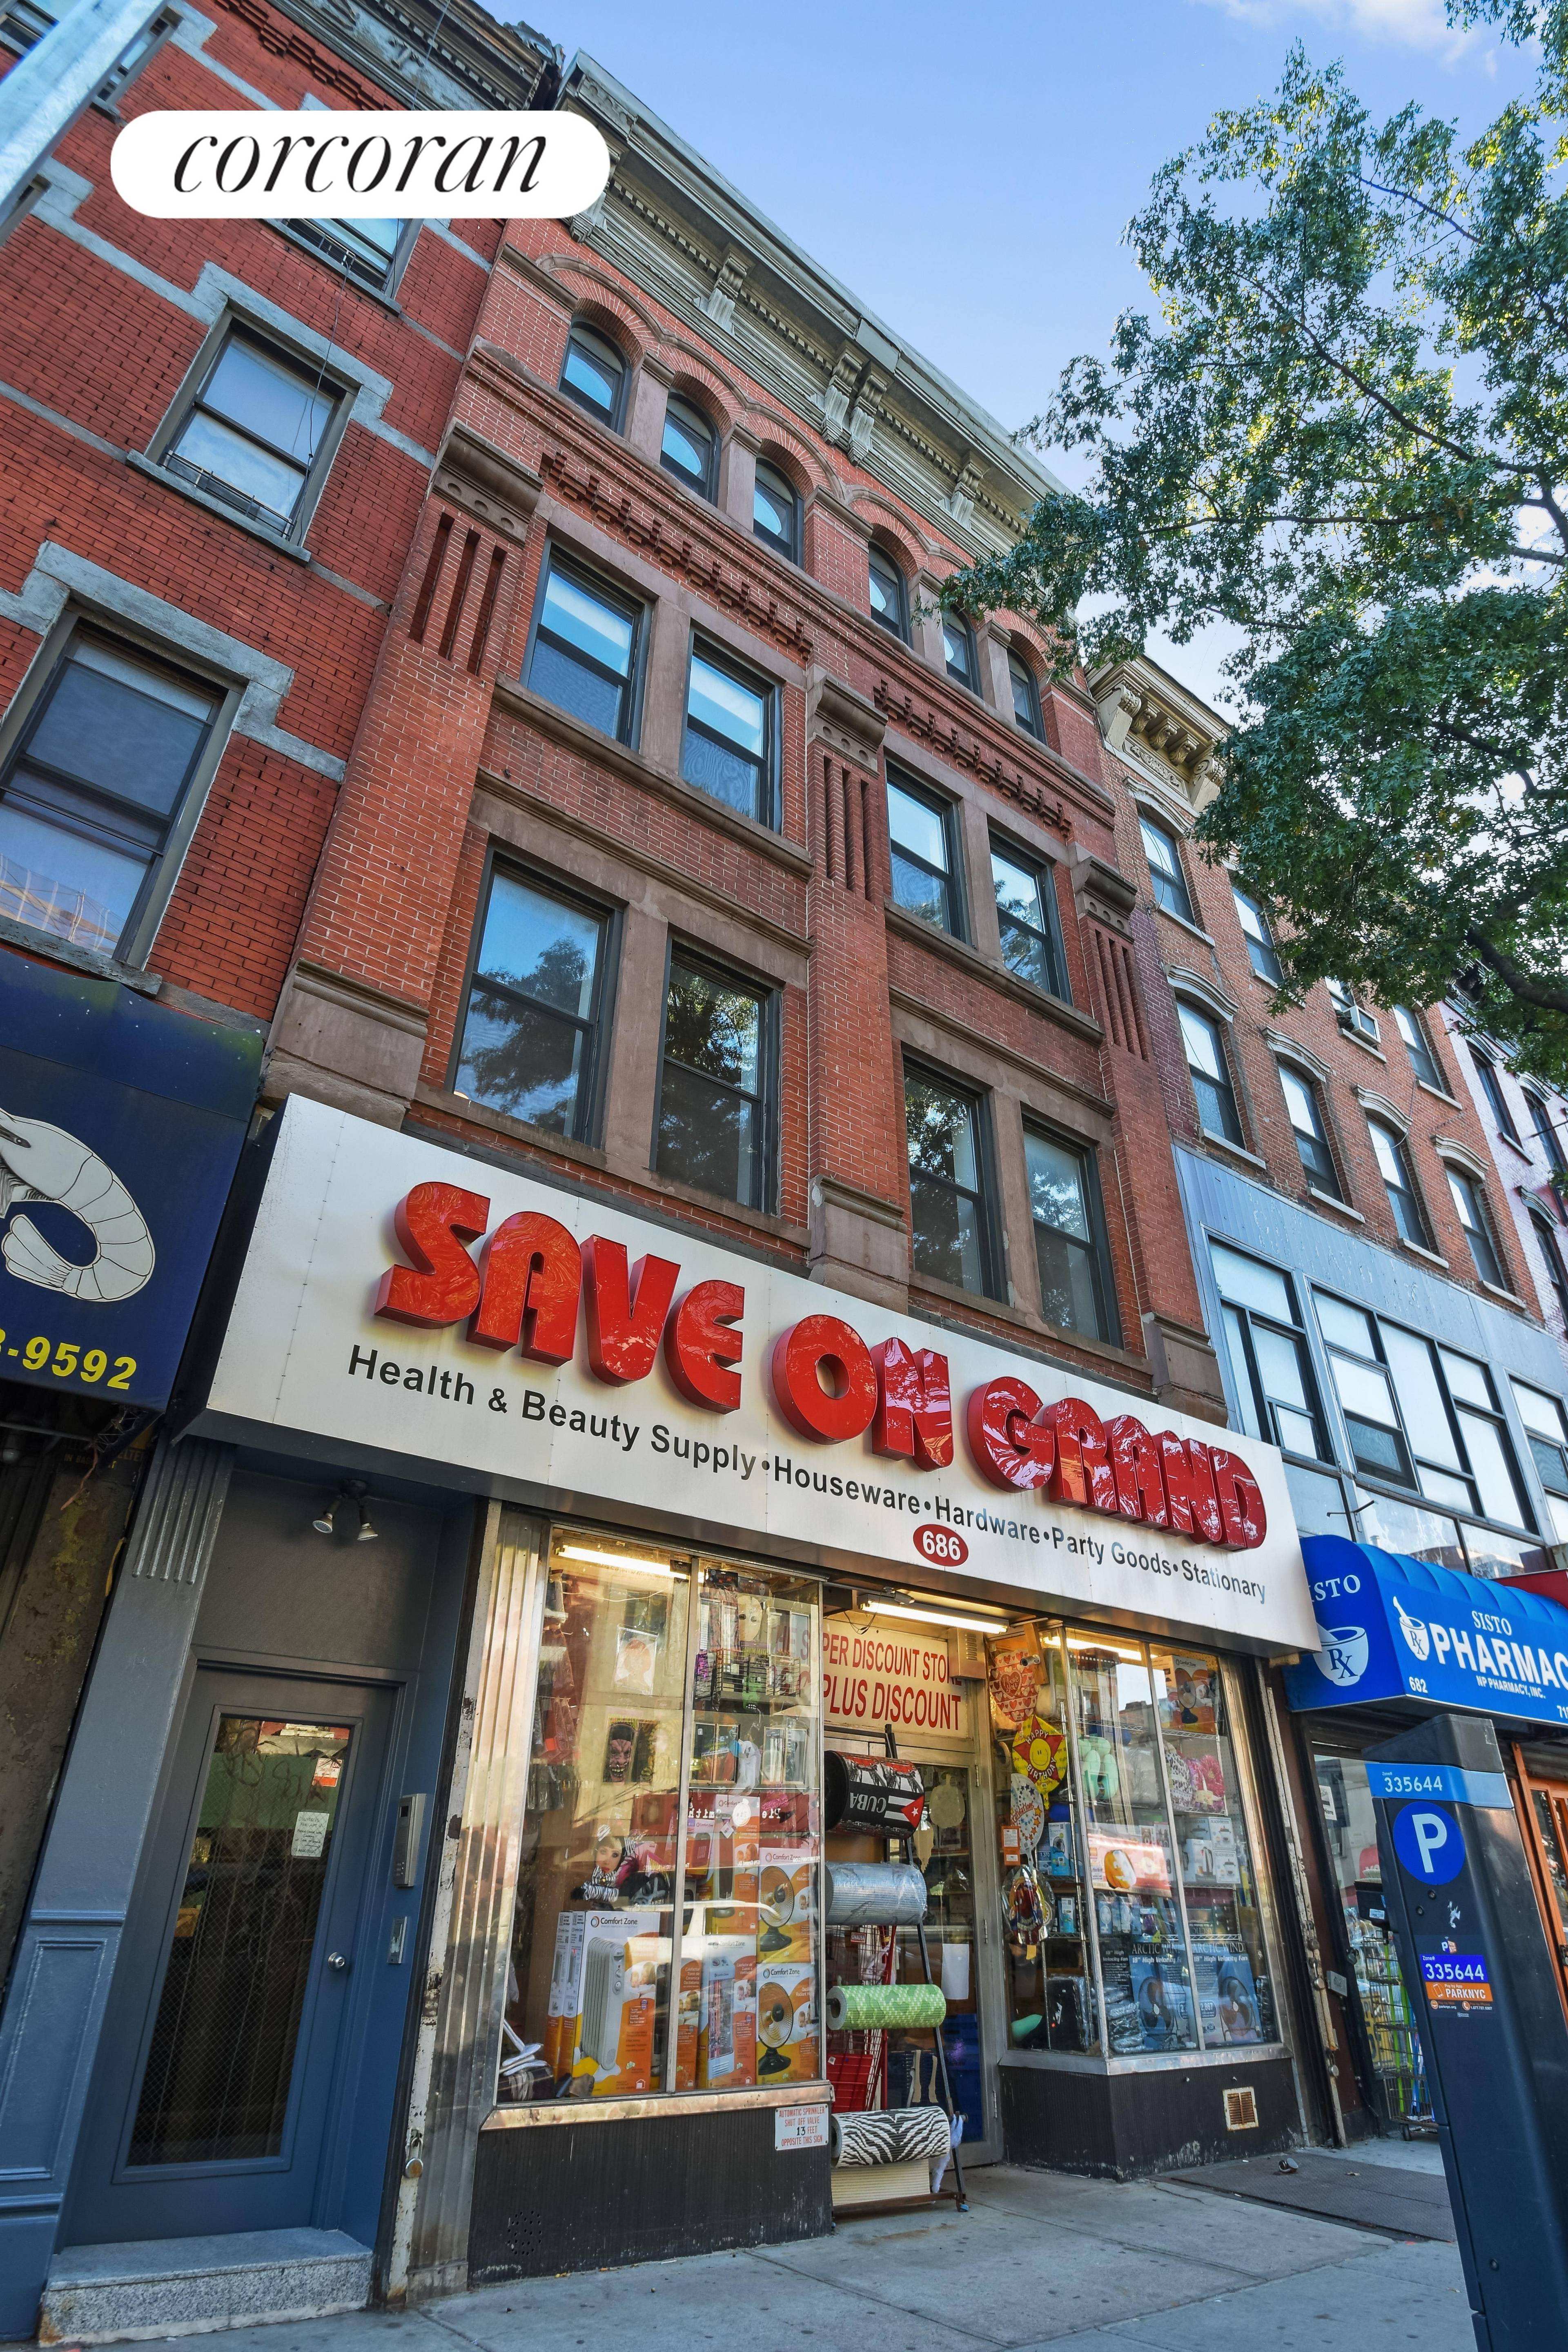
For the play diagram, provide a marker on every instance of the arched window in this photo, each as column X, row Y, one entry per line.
column 1394, row 1167
column 1305, row 1107
column 593, row 374
column 958, row 651
column 1551, row 1247
column 1259, row 938
column 1025, row 696
column 775, row 512
column 1471, row 1202
column 889, row 596
column 1418, row 1045
column 1498, row 1102
column 1204, row 1048
column 691, row 448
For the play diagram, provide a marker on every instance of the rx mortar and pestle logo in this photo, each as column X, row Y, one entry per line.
column 358, row 165
column 1345, row 1649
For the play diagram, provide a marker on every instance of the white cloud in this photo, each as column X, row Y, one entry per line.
column 1413, row 24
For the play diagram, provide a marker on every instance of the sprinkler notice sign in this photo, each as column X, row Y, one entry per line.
column 358, row 165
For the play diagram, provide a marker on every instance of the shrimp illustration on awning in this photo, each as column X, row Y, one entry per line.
column 40, row 1162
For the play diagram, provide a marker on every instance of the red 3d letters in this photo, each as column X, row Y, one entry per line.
column 823, row 1380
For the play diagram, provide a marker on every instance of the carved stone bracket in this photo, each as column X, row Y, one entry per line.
column 845, row 720
column 482, row 479
column 719, row 300
column 1104, row 894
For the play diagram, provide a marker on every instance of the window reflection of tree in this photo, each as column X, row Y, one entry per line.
column 530, row 1063
column 709, row 1107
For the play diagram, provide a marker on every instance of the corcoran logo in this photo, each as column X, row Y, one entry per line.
column 532, row 1279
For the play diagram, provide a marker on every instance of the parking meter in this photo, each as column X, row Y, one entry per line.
column 1483, row 1991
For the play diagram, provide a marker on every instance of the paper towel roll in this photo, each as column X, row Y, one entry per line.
column 852, row 2009
column 874, row 1894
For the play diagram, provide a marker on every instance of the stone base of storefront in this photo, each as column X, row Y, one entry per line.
column 1067, row 2114
column 639, row 2182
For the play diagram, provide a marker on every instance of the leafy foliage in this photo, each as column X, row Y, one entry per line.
column 1344, row 432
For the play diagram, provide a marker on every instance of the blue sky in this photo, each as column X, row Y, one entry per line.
column 968, row 171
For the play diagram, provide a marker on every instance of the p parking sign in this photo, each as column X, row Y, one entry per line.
column 1429, row 1844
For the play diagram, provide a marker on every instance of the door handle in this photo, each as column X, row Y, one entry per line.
column 338, row 1960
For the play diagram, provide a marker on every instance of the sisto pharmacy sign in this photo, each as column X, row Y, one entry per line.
column 555, row 1345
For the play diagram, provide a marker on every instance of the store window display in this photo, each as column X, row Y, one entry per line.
column 671, row 1851
column 1394, row 2065
column 1132, row 1907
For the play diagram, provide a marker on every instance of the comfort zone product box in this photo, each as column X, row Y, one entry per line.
column 787, row 1891
column 608, row 2036
column 726, row 2035
column 786, row 2022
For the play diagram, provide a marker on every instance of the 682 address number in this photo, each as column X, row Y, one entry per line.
column 70, row 1362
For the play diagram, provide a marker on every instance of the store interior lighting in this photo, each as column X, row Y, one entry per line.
column 1110, row 1649
column 586, row 1553
column 935, row 1617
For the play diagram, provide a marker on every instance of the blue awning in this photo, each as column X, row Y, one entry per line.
column 1398, row 1628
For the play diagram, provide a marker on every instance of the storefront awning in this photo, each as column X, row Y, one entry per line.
column 1398, row 1628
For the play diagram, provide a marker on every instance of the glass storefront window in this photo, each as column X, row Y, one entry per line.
column 1398, row 2070
column 671, row 1689
column 1219, row 1881
column 1136, row 1882
column 1051, row 1997
column 1143, row 1963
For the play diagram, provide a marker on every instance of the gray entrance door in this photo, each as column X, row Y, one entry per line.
column 229, row 2029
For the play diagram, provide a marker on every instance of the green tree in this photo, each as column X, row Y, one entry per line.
column 1344, row 433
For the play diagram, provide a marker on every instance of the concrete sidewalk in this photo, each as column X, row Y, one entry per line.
column 1041, row 2259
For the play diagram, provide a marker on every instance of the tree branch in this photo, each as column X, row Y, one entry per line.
column 1514, row 978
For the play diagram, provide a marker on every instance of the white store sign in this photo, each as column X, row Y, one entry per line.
column 306, row 1352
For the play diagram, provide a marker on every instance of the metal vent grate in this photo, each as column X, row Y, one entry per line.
column 1241, row 2109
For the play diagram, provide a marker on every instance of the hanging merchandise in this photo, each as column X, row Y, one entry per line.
column 1023, row 1911
column 1016, row 1674
column 892, row 2136
column 1097, row 1760
column 1028, row 1814
column 1040, row 1755
column 874, row 1894
column 896, row 2006
column 879, row 1795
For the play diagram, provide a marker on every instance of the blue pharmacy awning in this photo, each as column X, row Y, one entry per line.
column 1398, row 1628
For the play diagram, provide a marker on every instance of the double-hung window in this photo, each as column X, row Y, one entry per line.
column 1547, row 1240
column 95, row 790
column 948, row 1189
column 1259, row 938
column 1547, row 1432
column 593, row 374
column 1026, row 688
column 530, row 1041
column 1026, row 918
column 1497, row 1103
column 715, row 1084
column 253, row 431
column 1204, row 1049
column 1076, row 1289
column 1270, row 1360
column 584, row 656
column 1166, row 869
column 1394, row 1167
column 890, row 595
column 732, row 732
column 690, row 449
column 1304, row 1104
column 923, row 844
column 1546, row 1133
column 775, row 512
column 1470, row 1203
column 1420, row 1416
column 958, row 651
column 369, row 250
column 1418, row 1045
